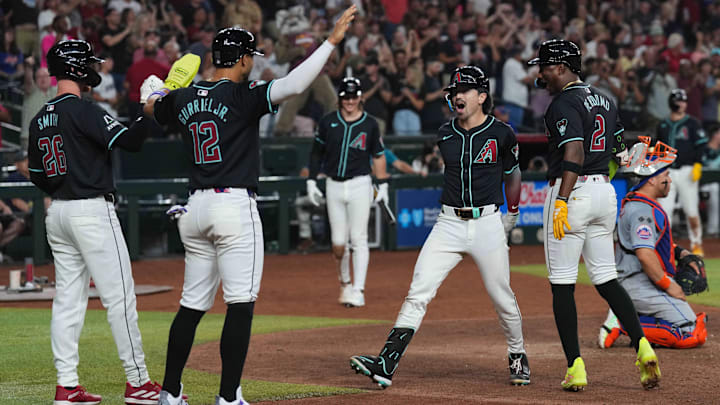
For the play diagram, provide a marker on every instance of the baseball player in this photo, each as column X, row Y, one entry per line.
column 480, row 154
column 69, row 154
column 645, row 257
column 346, row 141
column 220, row 227
column 685, row 134
column 579, row 213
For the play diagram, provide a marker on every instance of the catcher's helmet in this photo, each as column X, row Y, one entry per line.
column 470, row 77
column 350, row 86
column 230, row 44
column 72, row 60
column 644, row 164
column 559, row 51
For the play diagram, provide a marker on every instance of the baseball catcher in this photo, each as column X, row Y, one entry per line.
column 646, row 260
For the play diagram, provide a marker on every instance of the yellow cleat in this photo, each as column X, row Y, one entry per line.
column 182, row 72
column 648, row 364
column 576, row 377
column 697, row 250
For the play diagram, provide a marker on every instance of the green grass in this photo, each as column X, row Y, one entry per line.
column 711, row 297
column 28, row 375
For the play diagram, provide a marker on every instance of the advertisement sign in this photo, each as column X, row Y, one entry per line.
column 417, row 211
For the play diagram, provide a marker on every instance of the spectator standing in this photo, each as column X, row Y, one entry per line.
column 377, row 97
column 38, row 91
column 11, row 58
column 57, row 33
column 711, row 93
column 122, row 5
column 116, row 40
column 141, row 70
column 105, row 93
column 245, row 13
column 631, row 106
column 605, row 81
column 515, row 92
column 408, row 102
column 659, row 84
column 434, row 109
column 23, row 15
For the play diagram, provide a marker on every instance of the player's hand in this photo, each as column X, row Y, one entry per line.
column 696, row 172
column 381, row 194
column 675, row 291
column 182, row 72
column 560, row 221
column 149, row 86
column 342, row 25
column 176, row 211
column 313, row 192
column 509, row 220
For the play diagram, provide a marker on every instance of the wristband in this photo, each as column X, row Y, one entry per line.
column 162, row 92
column 381, row 181
column 663, row 283
column 568, row 166
column 561, row 198
column 678, row 250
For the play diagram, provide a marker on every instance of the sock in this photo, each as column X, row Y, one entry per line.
column 395, row 346
column 234, row 346
column 566, row 320
column 182, row 334
column 622, row 306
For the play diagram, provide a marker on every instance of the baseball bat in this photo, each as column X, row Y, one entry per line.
column 387, row 212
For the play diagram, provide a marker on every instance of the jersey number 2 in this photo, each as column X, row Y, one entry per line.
column 54, row 161
column 597, row 143
column 207, row 149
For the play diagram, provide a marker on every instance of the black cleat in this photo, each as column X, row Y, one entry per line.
column 519, row 369
column 373, row 367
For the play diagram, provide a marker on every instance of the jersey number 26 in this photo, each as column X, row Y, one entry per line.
column 205, row 142
column 53, row 159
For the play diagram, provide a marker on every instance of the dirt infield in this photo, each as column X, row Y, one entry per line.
column 457, row 357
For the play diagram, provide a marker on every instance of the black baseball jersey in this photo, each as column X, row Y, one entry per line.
column 475, row 162
column 69, row 148
column 219, row 125
column 343, row 149
column 582, row 113
column 687, row 136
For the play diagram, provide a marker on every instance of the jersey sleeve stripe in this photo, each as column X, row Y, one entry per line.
column 568, row 140
column 270, row 106
column 35, row 170
column 621, row 130
column 115, row 137
column 701, row 141
column 512, row 169
column 380, row 153
column 643, row 246
column 318, row 140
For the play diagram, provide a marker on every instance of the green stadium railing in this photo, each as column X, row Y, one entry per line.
column 284, row 189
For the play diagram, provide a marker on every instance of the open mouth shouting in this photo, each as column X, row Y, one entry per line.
column 460, row 106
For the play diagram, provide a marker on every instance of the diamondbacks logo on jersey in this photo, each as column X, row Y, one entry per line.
column 562, row 126
column 683, row 133
column 360, row 141
column 488, row 153
column 516, row 151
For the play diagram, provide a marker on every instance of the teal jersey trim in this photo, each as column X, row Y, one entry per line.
column 513, row 169
column 672, row 136
column 701, row 141
column 568, row 140
column 61, row 99
column 211, row 87
column 36, row 170
column 577, row 86
column 317, row 139
column 481, row 130
column 342, row 144
column 347, row 136
column 270, row 106
column 115, row 137
column 462, row 169
column 619, row 131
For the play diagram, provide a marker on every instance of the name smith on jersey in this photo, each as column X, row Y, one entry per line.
column 47, row 120
column 202, row 105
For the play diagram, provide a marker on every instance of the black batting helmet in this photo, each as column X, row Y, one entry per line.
column 675, row 96
column 72, row 60
column 230, row 44
column 559, row 51
column 350, row 86
column 470, row 77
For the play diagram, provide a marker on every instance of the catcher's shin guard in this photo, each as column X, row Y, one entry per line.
column 662, row 333
column 381, row 368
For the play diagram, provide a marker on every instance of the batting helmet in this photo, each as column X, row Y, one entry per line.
column 469, row 77
column 559, row 51
column 230, row 44
column 71, row 60
column 675, row 96
column 350, row 86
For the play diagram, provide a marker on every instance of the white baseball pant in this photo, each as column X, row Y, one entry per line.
column 713, row 207
column 687, row 191
column 348, row 204
column 592, row 208
column 223, row 240
column 452, row 237
column 87, row 241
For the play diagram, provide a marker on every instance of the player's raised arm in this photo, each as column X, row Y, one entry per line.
column 300, row 78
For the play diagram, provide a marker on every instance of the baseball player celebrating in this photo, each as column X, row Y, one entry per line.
column 346, row 141
column 685, row 134
column 480, row 153
column 645, row 258
column 221, row 228
column 69, row 154
column 579, row 214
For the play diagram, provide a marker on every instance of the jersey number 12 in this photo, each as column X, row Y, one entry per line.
column 597, row 142
column 206, row 148
column 53, row 159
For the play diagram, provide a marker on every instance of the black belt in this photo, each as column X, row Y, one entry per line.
column 469, row 214
column 335, row 178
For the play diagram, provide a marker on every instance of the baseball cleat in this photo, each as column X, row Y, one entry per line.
column 345, row 293
column 146, row 394
column 609, row 331
column 648, row 364
column 355, row 298
column 76, row 396
column 576, row 377
column 519, row 369
column 697, row 250
column 373, row 367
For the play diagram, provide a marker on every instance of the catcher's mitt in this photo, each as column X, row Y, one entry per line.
column 690, row 281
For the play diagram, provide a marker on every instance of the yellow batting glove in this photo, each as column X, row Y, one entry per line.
column 560, row 221
column 696, row 172
column 182, row 71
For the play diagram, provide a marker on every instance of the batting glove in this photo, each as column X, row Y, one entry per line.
column 313, row 192
column 509, row 220
column 151, row 85
column 176, row 211
column 560, row 221
column 696, row 172
column 182, row 71
column 381, row 193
